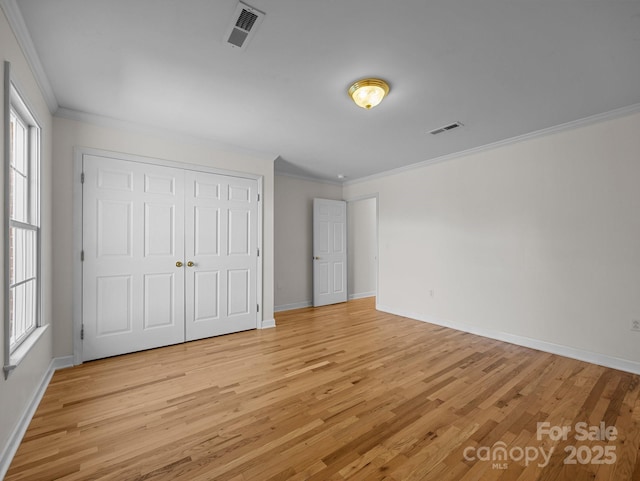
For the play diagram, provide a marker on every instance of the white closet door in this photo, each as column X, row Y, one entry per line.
column 133, row 235
column 221, row 253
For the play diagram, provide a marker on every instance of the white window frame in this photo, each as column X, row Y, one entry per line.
column 15, row 106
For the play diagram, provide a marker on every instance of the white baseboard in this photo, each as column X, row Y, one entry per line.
column 62, row 362
column 301, row 305
column 290, row 307
column 15, row 439
column 550, row 347
column 362, row 295
column 268, row 323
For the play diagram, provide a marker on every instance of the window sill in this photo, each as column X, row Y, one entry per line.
column 21, row 353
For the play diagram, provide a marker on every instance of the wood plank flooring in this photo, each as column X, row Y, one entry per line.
column 337, row 393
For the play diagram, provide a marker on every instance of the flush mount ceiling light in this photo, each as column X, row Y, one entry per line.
column 368, row 92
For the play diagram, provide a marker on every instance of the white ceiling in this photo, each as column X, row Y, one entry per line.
column 501, row 67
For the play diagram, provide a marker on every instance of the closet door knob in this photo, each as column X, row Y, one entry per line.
column 190, row 264
column 178, row 264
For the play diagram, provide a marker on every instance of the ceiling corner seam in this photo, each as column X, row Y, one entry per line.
column 21, row 32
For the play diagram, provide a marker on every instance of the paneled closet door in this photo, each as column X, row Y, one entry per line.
column 133, row 236
column 221, row 254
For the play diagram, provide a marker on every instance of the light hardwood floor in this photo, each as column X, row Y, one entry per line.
column 335, row 393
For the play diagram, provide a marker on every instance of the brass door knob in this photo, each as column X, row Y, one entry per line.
column 190, row 264
column 178, row 264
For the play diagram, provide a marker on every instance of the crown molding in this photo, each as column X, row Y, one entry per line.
column 574, row 124
column 20, row 30
column 307, row 178
column 113, row 123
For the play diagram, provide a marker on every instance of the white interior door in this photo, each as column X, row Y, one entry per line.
column 133, row 235
column 329, row 251
column 221, row 253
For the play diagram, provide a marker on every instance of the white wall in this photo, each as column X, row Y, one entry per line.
column 72, row 133
column 363, row 247
column 536, row 241
column 21, row 387
column 294, row 238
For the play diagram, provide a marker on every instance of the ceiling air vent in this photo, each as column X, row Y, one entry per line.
column 245, row 22
column 452, row 126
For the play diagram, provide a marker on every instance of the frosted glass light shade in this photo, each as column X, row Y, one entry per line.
column 367, row 93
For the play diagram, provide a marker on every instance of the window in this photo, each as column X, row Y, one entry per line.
column 22, row 231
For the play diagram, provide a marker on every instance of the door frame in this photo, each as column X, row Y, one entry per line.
column 77, row 299
column 376, row 197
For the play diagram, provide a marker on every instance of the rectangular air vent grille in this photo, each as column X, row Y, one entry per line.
column 244, row 23
column 246, row 20
column 452, row 126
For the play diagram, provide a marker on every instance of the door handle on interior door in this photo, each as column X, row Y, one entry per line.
column 316, row 258
column 178, row 264
column 190, row 264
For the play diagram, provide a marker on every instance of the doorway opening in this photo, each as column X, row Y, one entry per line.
column 362, row 215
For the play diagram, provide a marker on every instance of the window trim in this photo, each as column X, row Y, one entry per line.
column 15, row 101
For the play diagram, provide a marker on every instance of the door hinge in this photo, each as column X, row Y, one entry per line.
column 82, row 332
column 82, row 177
column 258, row 197
column 81, row 256
column 258, row 252
column 258, row 307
